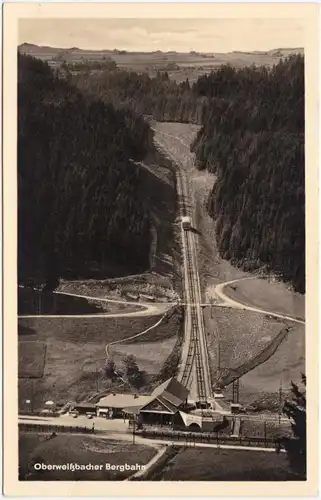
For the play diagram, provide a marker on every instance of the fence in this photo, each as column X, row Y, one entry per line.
column 257, row 360
column 55, row 428
column 210, row 438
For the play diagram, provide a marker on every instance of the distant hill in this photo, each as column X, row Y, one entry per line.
column 183, row 65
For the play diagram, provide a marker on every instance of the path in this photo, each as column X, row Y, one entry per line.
column 126, row 339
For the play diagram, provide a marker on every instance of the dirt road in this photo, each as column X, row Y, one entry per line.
column 146, row 309
column 227, row 301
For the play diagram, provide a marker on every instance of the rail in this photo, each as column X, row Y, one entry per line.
column 194, row 348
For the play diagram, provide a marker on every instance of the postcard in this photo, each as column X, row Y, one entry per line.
column 160, row 197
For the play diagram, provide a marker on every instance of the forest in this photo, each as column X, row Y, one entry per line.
column 252, row 138
column 78, row 205
column 160, row 97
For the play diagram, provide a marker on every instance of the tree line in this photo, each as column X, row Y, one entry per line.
column 252, row 138
column 160, row 97
column 78, row 203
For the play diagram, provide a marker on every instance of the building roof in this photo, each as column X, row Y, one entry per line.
column 172, row 390
column 123, row 400
column 84, row 405
column 170, row 394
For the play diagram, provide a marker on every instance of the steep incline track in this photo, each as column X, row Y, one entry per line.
column 194, row 355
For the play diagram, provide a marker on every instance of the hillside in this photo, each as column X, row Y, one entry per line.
column 80, row 213
column 252, row 139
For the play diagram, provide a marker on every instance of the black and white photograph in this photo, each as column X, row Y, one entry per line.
column 161, row 249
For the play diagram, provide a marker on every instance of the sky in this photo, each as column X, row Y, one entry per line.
column 181, row 35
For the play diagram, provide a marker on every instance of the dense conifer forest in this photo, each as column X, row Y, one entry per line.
column 253, row 140
column 78, row 204
column 160, row 97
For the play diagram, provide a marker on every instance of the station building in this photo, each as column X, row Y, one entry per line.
column 160, row 407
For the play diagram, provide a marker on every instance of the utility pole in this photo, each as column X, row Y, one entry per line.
column 39, row 301
column 218, row 359
column 97, row 378
column 211, row 302
column 280, row 402
column 32, row 394
column 134, row 428
column 236, row 391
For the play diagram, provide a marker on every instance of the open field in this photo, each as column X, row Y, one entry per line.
column 241, row 335
column 32, row 359
column 274, row 297
column 150, row 356
column 198, row 464
column 271, row 429
column 64, row 449
column 178, row 65
column 284, row 366
column 75, row 352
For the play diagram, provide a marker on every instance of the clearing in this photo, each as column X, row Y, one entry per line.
column 227, row 465
column 75, row 449
column 75, row 353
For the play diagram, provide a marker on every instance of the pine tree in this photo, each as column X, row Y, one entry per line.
column 296, row 446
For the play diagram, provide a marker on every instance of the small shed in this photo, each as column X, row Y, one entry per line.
column 84, row 408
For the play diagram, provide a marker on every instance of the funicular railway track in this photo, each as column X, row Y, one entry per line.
column 197, row 353
column 194, row 356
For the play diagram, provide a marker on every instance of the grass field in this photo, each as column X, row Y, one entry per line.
column 284, row 366
column 75, row 352
column 32, row 359
column 241, row 335
column 227, row 465
column 150, row 356
column 274, row 297
column 65, row 448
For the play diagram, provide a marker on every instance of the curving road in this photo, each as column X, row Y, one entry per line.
column 146, row 309
column 228, row 302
